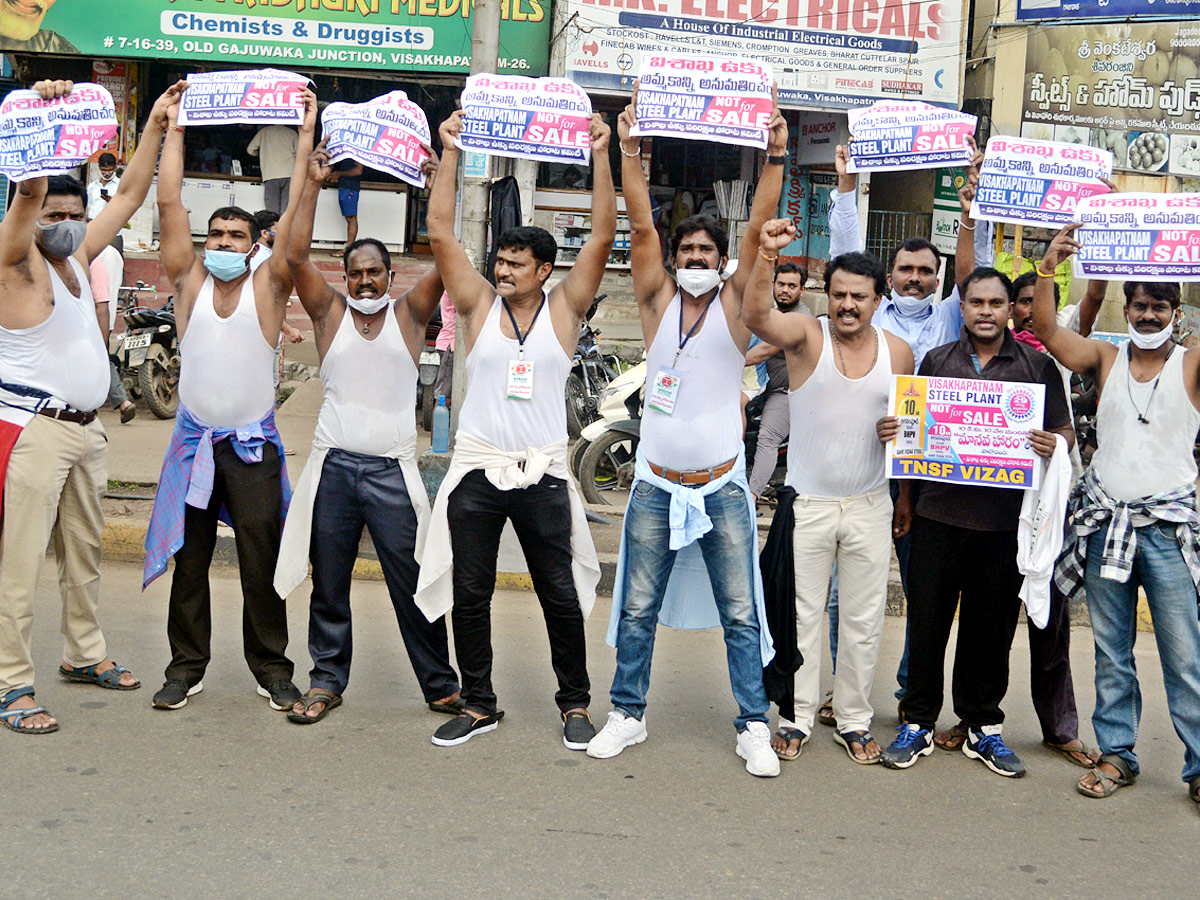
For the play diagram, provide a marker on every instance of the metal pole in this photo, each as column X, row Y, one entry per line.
column 485, row 57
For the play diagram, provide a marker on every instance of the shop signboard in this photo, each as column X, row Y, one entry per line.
column 947, row 211
column 1131, row 88
column 1091, row 9
column 825, row 54
column 391, row 35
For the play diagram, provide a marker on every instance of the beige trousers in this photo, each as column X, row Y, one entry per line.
column 858, row 531
column 56, row 477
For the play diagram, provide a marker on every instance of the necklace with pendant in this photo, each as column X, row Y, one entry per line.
column 838, row 344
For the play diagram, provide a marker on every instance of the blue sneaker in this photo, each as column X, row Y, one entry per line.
column 911, row 743
column 988, row 747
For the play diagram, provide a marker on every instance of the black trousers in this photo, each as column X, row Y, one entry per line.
column 981, row 566
column 541, row 517
column 357, row 490
column 251, row 494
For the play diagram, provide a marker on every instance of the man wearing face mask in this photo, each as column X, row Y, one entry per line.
column 363, row 467
column 105, row 187
column 54, row 373
column 690, row 512
column 225, row 459
column 1132, row 519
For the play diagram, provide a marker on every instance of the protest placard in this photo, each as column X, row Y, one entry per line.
column 50, row 137
column 545, row 119
column 1139, row 237
column 385, row 133
column 965, row 431
column 252, row 97
column 1038, row 183
column 704, row 98
column 899, row 135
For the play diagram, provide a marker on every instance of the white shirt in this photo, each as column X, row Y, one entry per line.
column 96, row 203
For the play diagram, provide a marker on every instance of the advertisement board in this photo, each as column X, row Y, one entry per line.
column 825, row 54
column 1131, row 88
column 402, row 35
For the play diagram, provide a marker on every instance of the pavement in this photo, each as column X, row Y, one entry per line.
column 227, row 799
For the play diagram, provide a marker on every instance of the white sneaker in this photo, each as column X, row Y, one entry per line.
column 619, row 732
column 754, row 746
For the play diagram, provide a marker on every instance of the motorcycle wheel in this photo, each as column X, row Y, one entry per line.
column 606, row 470
column 577, row 450
column 158, row 380
column 577, row 416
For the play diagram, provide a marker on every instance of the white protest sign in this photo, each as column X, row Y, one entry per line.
column 385, row 133
column 1038, row 183
column 50, row 137
column 545, row 119
column 704, row 98
column 900, row 135
column 1139, row 237
column 252, row 97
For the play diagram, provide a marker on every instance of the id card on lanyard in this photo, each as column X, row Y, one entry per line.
column 664, row 389
column 520, row 371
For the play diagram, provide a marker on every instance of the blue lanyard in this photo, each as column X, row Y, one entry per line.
column 683, row 339
column 521, row 337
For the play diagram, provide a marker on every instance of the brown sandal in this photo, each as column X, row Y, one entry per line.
column 1080, row 756
column 953, row 739
column 1106, row 785
column 825, row 713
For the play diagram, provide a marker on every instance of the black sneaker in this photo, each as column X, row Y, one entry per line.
column 989, row 748
column 175, row 693
column 911, row 743
column 577, row 729
column 462, row 728
column 282, row 694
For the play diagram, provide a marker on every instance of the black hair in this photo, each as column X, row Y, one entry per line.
column 785, row 267
column 1156, row 290
column 106, row 159
column 537, row 241
column 1029, row 279
column 915, row 245
column 986, row 273
column 236, row 212
column 265, row 219
column 867, row 264
column 692, row 224
column 66, row 185
column 368, row 242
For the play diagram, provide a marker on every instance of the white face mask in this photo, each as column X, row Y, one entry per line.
column 911, row 306
column 697, row 282
column 368, row 306
column 1150, row 341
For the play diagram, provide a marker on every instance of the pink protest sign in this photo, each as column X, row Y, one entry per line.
column 385, row 133
column 1139, row 237
column 900, row 135
column 1038, row 183
column 49, row 137
column 255, row 97
column 545, row 119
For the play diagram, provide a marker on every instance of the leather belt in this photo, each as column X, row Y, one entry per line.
column 695, row 476
column 69, row 415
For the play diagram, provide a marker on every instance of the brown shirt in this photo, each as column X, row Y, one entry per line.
column 975, row 507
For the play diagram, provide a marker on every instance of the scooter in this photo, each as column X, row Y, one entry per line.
column 147, row 353
column 591, row 372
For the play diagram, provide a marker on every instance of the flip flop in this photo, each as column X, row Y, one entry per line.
column 110, row 679
column 951, row 740
column 1106, row 785
column 789, row 735
column 825, row 713
column 848, row 739
column 1069, row 754
column 314, row 696
column 12, row 718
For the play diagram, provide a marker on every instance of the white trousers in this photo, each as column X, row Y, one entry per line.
column 857, row 531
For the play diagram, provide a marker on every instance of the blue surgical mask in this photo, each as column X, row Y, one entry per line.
column 225, row 265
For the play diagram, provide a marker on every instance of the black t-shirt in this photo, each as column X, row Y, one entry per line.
column 974, row 507
column 347, row 182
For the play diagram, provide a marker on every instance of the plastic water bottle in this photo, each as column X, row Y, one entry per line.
column 441, row 426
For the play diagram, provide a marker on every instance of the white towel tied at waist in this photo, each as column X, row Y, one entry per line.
column 507, row 471
column 1040, row 532
column 292, row 566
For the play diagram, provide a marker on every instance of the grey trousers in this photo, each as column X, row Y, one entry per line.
column 275, row 194
column 776, row 422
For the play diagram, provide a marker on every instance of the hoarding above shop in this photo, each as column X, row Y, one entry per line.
column 1104, row 9
column 826, row 54
column 1133, row 89
column 403, row 35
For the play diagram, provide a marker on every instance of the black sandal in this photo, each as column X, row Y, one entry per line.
column 848, row 739
column 789, row 735
column 309, row 700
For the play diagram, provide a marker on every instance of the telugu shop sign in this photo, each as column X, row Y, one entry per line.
column 414, row 35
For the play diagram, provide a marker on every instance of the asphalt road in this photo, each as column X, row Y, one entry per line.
column 226, row 799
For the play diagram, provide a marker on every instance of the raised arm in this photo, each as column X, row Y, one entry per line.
column 135, row 183
column 316, row 295
column 789, row 332
column 1081, row 355
column 1089, row 306
column 176, row 250
column 580, row 285
column 469, row 290
column 766, row 198
column 964, row 251
column 844, row 233
column 277, row 266
column 645, row 249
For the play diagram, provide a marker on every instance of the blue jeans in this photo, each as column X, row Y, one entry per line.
column 1160, row 569
column 728, row 550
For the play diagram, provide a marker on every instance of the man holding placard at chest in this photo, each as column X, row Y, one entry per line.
column 690, row 492
column 510, row 457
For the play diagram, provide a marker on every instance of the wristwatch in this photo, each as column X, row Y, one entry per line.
column 779, row 160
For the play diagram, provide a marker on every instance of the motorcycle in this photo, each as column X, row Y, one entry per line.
column 147, row 352
column 591, row 372
column 429, row 362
